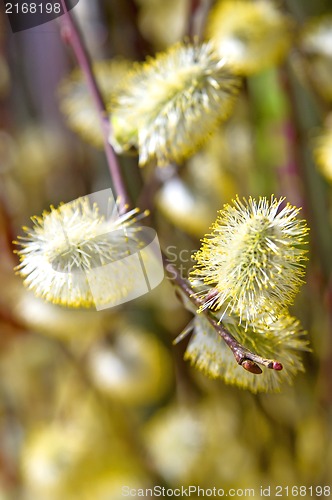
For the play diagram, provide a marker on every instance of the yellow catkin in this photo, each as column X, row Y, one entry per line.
column 67, row 243
column 253, row 259
column 173, row 102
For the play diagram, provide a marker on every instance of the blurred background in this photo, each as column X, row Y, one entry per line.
column 93, row 401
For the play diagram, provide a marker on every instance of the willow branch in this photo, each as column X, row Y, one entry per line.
column 72, row 36
column 244, row 357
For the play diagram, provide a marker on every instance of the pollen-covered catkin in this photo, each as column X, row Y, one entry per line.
column 67, row 244
column 254, row 258
column 173, row 102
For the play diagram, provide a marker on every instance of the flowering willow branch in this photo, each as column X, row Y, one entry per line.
column 244, row 357
column 72, row 36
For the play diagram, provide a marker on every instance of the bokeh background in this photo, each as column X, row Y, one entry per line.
column 93, row 401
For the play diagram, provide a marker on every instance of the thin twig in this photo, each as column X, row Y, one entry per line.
column 194, row 6
column 198, row 12
column 71, row 35
column 243, row 356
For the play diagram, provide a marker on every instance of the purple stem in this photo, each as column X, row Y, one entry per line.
column 72, row 36
column 290, row 174
column 193, row 8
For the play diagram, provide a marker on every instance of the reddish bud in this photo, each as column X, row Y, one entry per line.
column 251, row 367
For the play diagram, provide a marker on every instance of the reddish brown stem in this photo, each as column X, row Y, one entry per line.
column 193, row 8
column 72, row 36
column 243, row 356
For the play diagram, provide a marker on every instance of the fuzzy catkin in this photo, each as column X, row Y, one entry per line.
column 173, row 102
column 254, row 258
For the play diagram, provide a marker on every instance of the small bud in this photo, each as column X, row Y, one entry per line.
column 211, row 355
column 251, row 367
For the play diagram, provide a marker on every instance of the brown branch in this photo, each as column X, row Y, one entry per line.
column 197, row 15
column 243, row 356
column 72, row 36
column 194, row 6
